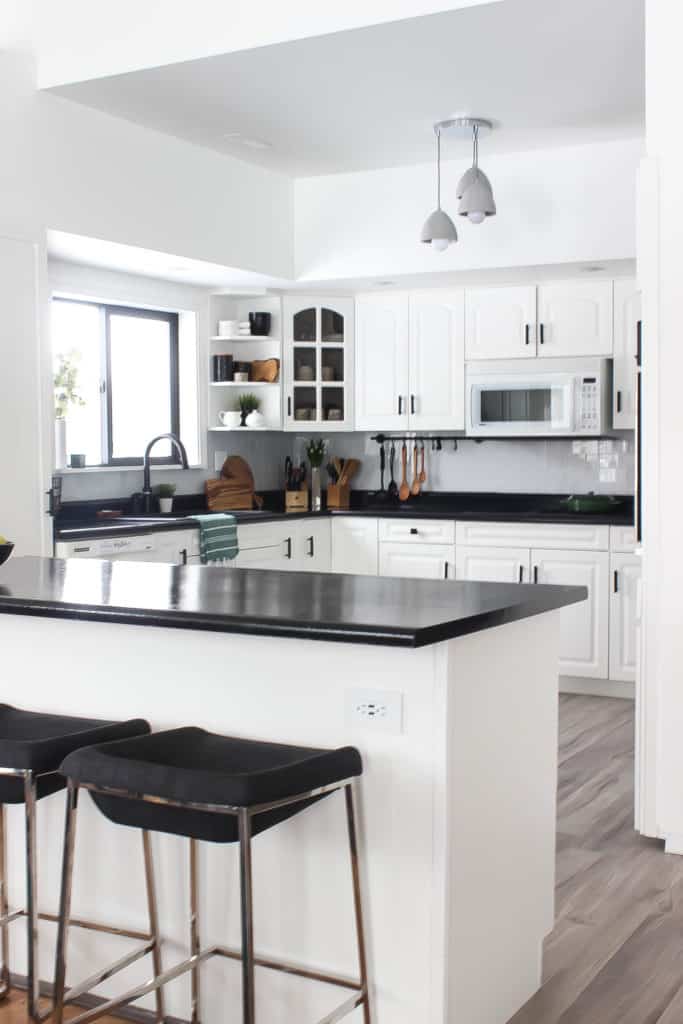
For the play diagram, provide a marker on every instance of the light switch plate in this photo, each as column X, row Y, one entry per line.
column 374, row 710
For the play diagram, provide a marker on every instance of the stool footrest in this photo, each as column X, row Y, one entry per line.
column 192, row 962
column 93, row 926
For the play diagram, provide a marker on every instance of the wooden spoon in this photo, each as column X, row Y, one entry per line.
column 423, row 475
column 404, row 490
column 415, row 486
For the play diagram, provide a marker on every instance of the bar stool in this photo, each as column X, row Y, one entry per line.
column 203, row 786
column 32, row 747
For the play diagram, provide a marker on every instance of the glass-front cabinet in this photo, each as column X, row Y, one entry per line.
column 318, row 363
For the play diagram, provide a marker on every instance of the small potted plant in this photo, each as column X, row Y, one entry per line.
column 249, row 409
column 164, row 493
column 315, row 453
column 66, row 395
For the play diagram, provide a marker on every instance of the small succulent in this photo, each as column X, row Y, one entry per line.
column 164, row 490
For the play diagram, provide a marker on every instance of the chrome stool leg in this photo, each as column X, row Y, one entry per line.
column 65, row 900
column 30, row 800
column 357, row 901
column 247, row 915
column 153, row 922
column 195, row 948
column 4, row 910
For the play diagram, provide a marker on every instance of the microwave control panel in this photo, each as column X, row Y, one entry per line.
column 589, row 405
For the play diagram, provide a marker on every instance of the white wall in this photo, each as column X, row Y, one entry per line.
column 660, row 247
column 73, row 47
column 73, row 169
column 564, row 205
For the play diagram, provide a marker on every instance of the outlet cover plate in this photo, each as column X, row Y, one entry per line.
column 374, row 711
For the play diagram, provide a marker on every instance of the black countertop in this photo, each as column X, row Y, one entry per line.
column 491, row 507
column 309, row 606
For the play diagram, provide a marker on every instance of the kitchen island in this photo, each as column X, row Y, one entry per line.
column 457, row 797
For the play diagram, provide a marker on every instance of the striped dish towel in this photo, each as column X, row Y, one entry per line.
column 217, row 537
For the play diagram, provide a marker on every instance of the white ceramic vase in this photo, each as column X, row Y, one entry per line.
column 165, row 505
column 60, row 443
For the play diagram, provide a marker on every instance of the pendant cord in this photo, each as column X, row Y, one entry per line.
column 475, row 146
column 438, row 170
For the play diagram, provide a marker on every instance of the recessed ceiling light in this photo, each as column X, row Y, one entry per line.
column 246, row 140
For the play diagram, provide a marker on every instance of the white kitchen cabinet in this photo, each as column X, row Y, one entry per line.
column 500, row 323
column 622, row 538
column 575, row 319
column 354, row 545
column 312, row 545
column 578, row 536
column 417, row 531
column 417, row 561
column 318, row 363
column 584, row 645
column 625, row 572
column 627, row 313
column 493, row 565
column 265, row 546
column 382, row 361
column 437, row 360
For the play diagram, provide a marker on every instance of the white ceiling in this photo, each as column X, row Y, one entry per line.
column 550, row 72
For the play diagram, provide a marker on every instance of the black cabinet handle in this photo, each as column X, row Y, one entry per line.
column 413, row 529
column 616, row 582
column 535, row 574
column 521, row 574
column 183, row 556
column 445, row 570
column 400, row 405
column 288, row 548
column 526, row 334
column 618, row 401
column 311, row 547
column 639, row 342
column 289, row 405
column 541, row 334
column 412, row 404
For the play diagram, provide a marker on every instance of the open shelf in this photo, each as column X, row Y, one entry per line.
column 244, row 337
column 244, row 383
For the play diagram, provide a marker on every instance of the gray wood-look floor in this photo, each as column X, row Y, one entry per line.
column 616, row 953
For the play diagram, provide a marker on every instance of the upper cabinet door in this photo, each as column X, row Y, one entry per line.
column 382, row 385
column 626, row 316
column 575, row 319
column 437, row 360
column 318, row 363
column 500, row 323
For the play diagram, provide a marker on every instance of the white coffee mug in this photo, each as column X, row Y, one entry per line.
column 230, row 418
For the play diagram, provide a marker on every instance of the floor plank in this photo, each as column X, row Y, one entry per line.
column 616, row 953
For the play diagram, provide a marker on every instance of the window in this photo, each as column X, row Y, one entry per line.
column 117, row 386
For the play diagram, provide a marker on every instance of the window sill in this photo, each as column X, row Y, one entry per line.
column 70, row 471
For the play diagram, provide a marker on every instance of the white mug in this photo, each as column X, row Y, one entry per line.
column 230, row 418
column 227, row 328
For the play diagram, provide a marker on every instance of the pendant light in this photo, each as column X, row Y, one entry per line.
column 474, row 188
column 439, row 230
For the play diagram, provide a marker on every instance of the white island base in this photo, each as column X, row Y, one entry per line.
column 457, row 814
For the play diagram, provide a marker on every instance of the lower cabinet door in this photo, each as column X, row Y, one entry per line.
column 625, row 573
column 494, row 565
column 354, row 545
column 418, row 561
column 584, row 643
column 313, row 548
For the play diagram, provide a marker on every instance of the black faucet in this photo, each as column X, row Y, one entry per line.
column 146, row 486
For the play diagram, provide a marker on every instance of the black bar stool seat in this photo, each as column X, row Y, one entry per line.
column 31, row 741
column 192, row 766
column 33, row 744
column 224, row 789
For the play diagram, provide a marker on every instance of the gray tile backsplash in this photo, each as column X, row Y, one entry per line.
column 550, row 467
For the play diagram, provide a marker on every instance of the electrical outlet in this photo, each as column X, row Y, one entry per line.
column 374, row 710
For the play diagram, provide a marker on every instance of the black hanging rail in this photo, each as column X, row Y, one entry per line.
column 436, row 440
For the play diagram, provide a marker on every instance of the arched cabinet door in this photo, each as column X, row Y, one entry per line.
column 318, row 364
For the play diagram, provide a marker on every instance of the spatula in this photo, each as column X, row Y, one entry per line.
column 404, row 489
column 415, row 486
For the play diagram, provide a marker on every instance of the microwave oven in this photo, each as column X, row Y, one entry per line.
column 538, row 398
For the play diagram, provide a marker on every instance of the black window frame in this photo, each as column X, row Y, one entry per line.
column 107, row 310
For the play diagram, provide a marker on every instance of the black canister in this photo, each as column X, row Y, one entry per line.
column 260, row 324
column 222, row 367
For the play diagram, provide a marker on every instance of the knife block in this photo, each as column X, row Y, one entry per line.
column 338, row 495
column 296, row 501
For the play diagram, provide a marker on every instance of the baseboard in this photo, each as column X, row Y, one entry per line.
column 88, row 1002
column 597, row 687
